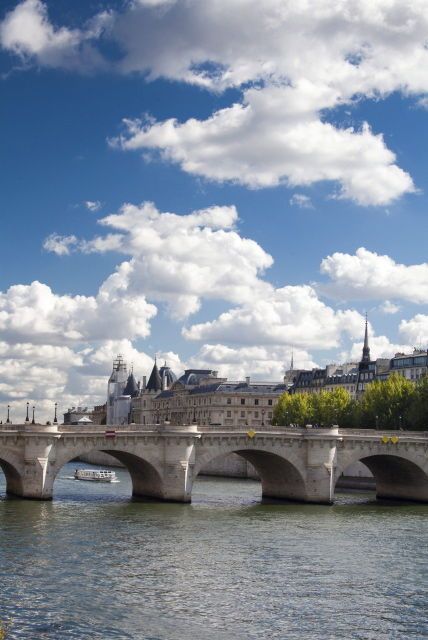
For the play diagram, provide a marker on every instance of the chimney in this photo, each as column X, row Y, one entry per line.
column 247, row 380
column 144, row 382
column 164, row 381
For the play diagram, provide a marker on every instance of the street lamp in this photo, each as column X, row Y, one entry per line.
column 8, row 414
column 377, row 422
column 399, row 422
column 27, row 419
column 56, row 417
column 263, row 417
column 33, row 421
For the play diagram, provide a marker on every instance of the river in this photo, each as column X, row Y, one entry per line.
column 95, row 564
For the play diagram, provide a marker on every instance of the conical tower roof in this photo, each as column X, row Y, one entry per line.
column 155, row 381
column 131, row 388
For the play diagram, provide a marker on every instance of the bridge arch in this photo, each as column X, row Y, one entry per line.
column 399, row 475
column 282, row 477
column 10, row 466
column 144, row 470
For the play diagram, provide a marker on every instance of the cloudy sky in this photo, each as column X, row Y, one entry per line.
column 216, row 182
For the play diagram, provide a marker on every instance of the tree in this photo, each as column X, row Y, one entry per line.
column 324, row 408
column 417, row 413
column 331, row 407
column 292, row 409
column 386, row 403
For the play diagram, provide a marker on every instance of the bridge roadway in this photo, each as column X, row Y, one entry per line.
column 163, row 460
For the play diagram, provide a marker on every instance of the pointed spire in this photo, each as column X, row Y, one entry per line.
column 292, row 360
column 131, row 388
column 366, row 348
column 155, row 381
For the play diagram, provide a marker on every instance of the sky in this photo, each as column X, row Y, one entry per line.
column 220, row 184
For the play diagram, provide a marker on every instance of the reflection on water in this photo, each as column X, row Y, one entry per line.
column 96, row 564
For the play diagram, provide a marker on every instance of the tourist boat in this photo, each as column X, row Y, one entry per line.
column 95, row 475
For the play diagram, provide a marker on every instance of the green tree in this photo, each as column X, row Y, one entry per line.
column 386, row 404
column 417, row 413
column 331, row 407
column 292, row 409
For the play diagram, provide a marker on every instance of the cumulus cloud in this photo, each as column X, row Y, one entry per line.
column 380, row 347
column 389, row 308
column 61, row 245
column 368, row 275
column 294, row 62
column 264, row 142
column 305, row 61
column 262, row 363
column 180, row 259
column 292, row 315
column 27, row 32
column 415, row 330
column 35, row 314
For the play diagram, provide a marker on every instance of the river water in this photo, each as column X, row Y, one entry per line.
column 95, row 564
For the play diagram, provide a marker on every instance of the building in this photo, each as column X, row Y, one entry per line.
column 83, row 416
column 412, row 366
column 199, row 396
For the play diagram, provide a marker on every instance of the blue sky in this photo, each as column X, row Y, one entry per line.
column 238, row 121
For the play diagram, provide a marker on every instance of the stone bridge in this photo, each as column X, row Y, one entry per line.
column 164, row 460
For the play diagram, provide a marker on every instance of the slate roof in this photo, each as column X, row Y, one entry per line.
column 131, row 388
column 155, row 381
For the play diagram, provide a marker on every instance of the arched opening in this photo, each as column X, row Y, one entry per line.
column 137, row 477
column 394, row 477
column 279, row 478
column 10, row 479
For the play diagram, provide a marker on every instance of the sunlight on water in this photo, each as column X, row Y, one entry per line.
column 95, row 563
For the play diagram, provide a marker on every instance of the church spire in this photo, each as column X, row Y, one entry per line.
column 292, row 360
column 366, row 348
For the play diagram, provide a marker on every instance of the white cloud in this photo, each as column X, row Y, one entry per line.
column 34, row 314
column 307, row 60
column 296, row 62
column 260, row 363
column 267, row 141
column 61, row 245
column 180, row 259
column 292, row 315
column 301, row 200
column 389, row 308
column 93, row 205
column 380, row 347
column 27, row 32
column 415, row 330
column 368, row 275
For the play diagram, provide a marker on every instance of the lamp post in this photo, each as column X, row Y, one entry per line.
column 377, row 423
column 27, row 418
column 400, row 418
column 33, row 421
column 8, row 414
column 56, row 417
column 263, row 417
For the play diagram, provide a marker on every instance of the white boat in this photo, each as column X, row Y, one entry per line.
column 95, row 475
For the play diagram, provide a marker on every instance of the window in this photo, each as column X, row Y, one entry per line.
column 256, row 402
column 270, row 414
column 242, row 414
column 229, row 414
column 229, row 401
column 242, row 400
column 270, row 403
column 256, row 414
